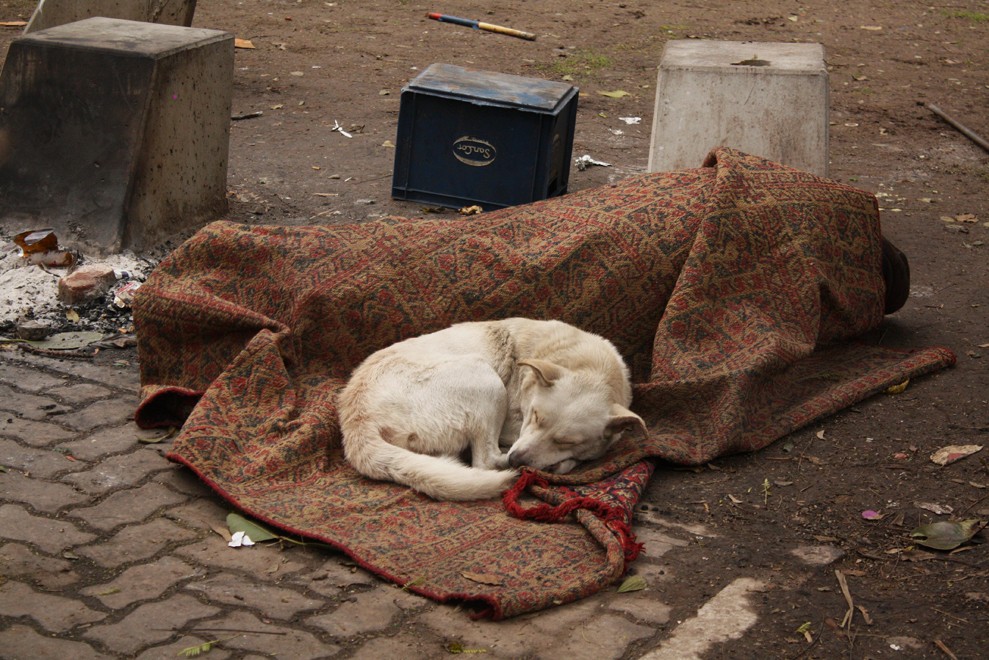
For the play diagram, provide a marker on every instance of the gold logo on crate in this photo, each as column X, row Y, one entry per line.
column 474, row 151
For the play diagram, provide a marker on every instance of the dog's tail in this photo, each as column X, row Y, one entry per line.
column 439, row 477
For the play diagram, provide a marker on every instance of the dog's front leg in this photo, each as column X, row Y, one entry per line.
column 485, row 450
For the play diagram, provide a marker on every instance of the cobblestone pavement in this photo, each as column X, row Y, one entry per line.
column 110, row 550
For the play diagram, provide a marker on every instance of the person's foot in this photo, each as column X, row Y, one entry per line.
column 896, row 275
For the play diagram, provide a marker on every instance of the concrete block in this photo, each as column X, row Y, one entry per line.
column 767, row 99
column 50, row 13
column 115, row 133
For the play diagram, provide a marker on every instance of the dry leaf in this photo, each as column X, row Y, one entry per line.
column 871, row 28
column 243, row 43
column 483, row 578
column 632, row 583
column 898, row 389
column 946, row 535
column 966, row 217
column 952, row 453
column 617, row 94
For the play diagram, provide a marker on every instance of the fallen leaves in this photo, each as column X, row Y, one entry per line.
column 952, row 453
column 946, row 534
column 616, row 94
column 632, row 583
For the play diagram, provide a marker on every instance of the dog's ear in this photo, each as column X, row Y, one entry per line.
column 545, row 371
column 623, row 419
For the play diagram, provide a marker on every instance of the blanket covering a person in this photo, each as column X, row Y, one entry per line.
column 738, row 293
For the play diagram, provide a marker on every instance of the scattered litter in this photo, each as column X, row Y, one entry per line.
column 946, row 534
column 339, row 129
column 123, row 296
column 951, row 453
column 631, row 121
column 869, row 514
column 240, row 539
column 243, row 43
column 13, row 24
column 585, row 161
column 940, row 509
column 247, row 115
column 471, row 210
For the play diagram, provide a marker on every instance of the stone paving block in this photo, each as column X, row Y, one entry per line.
column 79, row 393
column 575, row 631
column 273, row 602
column 26, row 378
column 291, row 644
column 40, row 463
column 108, row 441
column 53, row 613
column 29, row 406
column 20, row 641
column 51, row 536
column 123, row 378
column 101, row 413
column 175, row 649
column 38, row 494
column 128, row 506
column 329, row 579
column 183, row 480
column 142, row 582
column 124, row 470
column 36, row 434
column 265, row 562
column 135, row 543
column 407, row 645
column 367, row 612
column 47, row 573
column 149, row 624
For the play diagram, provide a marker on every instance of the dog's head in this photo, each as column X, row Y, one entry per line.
column 567, row 417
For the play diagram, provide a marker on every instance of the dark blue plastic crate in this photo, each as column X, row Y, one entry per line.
column 475, row 137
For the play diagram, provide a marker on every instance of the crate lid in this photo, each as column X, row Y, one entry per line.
column 492, row 88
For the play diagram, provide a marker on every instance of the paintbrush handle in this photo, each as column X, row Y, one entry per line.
column 509, row 31
column 477, row 25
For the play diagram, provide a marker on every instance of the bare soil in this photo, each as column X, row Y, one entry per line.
column 315, row 64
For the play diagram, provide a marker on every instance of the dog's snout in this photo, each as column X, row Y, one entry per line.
column 516, row 459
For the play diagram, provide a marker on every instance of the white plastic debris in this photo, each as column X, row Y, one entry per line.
column 585, row 161
column 339, row 129
column 240, row 539
column 631, row 121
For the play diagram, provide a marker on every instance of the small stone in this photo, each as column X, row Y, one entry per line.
column 33, row 330
column 85, row 283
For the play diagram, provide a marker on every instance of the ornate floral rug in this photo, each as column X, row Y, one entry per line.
column 735, row 290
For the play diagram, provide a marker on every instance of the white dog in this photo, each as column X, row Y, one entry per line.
column 554, row 394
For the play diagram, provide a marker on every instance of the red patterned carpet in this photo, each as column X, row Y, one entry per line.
column 734, row 290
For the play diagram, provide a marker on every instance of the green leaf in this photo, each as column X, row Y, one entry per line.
column 945, row 534
column 633, row 583
column 617, row 94
column 257, row 533
column 194, row 651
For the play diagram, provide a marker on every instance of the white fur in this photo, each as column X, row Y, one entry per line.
column 552, row 394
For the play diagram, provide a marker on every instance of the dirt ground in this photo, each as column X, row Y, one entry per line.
column 315, row 64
